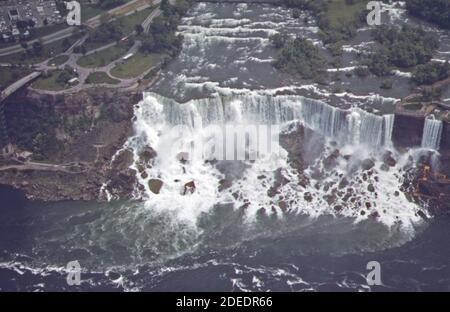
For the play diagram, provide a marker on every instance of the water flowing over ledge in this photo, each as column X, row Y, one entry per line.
column 353, row 142
column 354, row 126
column 432, row 133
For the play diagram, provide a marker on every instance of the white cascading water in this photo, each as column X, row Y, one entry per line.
column 359, row 134
column 432, row 133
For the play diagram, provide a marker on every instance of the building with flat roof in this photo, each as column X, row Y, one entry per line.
column 13, row 15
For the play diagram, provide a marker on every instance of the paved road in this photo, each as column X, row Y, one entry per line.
column 67, row 32
column 64, row 33
column 123, row 9
column 18, row 84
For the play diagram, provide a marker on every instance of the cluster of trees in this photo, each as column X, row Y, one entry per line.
column 403, row 48
column 36, row 49
column 430, row 73
column 33, row 129
column 106, row 32
column 299, row 56
column 330, row 33
column 161, row 36
column 434, row 11
column 65, row 75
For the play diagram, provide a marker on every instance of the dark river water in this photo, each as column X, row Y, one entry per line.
column 120, row 246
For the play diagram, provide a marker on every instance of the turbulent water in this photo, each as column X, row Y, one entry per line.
column 307, row 214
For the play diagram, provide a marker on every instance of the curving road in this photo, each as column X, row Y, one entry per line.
column 93, row 22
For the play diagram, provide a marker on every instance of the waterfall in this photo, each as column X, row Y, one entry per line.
column 432, row 132
column 354, row 126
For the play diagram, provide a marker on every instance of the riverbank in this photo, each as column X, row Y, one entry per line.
column 64, row 144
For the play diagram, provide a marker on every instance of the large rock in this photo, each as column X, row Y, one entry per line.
column 147, row 154
column 189, row 188
column 155, row 185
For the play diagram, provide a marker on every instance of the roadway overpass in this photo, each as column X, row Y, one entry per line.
column 18, row 84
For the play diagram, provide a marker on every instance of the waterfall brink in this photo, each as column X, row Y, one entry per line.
column 354, row 126
column 432, row 132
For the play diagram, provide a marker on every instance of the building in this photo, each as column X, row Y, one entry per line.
column 13, row 15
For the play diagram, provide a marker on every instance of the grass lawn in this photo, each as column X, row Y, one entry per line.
column 339, row 12
column 127, row 23
column 104, row 57
column 50, row 50
column 100, row 77
column 88, row 11
column 9, row 75
column 49, row 83
column 136, row 65
column 58, row 60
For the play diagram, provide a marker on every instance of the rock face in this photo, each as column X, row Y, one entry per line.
column 445, row 139
column 432, row 185
column 408, row 130
column 85, row 129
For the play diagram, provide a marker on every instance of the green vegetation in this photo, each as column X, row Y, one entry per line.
column 89, row 10
column 103, row 57
column 55, row 81
column 34, row 130
column 433, row 11
column 403, row 48
column 300, row 56
column 35, row 54
column 115, row 30
column 127, row 23
column 136, row 65
column 337, row 19
column 161, row 37
column 8, row 75
column 100, row 77
column 430, row 73
column 387, row 84
column 58, row 60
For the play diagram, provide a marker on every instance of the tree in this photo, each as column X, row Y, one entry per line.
column 166, row 7
column 430, row 73
column 65, row 44
column 37, row 48
column 138, row 29
column 434, row 11
column 24, row 45
column 278, row 40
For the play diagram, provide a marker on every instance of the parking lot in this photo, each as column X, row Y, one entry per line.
column 41, row 12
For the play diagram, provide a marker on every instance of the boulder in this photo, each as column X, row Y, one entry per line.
column 367, row 164
column 189, row 188
column 155, row 185
column 147, row 154
column 389, row 160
